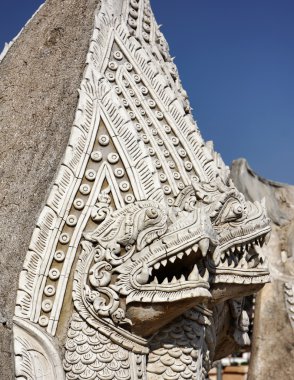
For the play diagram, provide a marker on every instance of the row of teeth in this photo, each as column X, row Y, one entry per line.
column 230, row 259
column 172, row 259
column 193, row 276
column 246, row 246
column 202, row 246
column 233, row 262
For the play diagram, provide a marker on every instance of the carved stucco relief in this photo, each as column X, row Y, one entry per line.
column 142, row 231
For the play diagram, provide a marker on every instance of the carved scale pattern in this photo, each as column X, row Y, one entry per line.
column 289, row 298
column 132, row 103
column 133, row 137
column 179, row 350
column 91, row 355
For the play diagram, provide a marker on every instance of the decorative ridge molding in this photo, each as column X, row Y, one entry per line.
column 35, row 352
column 56, row 210
column 141, row 221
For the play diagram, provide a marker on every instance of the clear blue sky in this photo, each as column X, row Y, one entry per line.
column 236, row 61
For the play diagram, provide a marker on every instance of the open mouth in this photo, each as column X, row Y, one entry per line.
column 180, row 270
column 186, row 266
column 171, row 268
column 245, row 259
column 169, row 276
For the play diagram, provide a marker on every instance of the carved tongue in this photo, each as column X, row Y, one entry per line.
column 143, row 276
column 204, row 245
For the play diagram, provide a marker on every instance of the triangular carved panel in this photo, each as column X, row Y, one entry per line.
column 142, row 223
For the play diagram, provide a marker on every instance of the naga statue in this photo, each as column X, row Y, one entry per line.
column 143, row 254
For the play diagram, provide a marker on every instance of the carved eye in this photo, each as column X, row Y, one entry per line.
column 232, row 211
column 238, row 210
column 152, row 213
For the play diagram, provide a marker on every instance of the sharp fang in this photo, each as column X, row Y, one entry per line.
column 235, row 260
column 157, row 265
column 172, row 259
column 143, row 276
column 206, row 275
column 195, row 248
column 204, row 245
column 155, row 281
column 174, row 280
column 243, row 263
column 231, row 264
column 188, row 251
column 194, row 275
column 164, row 282
column 216, row 256
column 251, row 264
column 261, row 257
column 180, row 255
column 150, row 271
column 164, row 262
column 182, row 279
column 261, row 241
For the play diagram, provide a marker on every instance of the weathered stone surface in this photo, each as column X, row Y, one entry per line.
column 142, row 224
column 40, row 76
column 273, row 342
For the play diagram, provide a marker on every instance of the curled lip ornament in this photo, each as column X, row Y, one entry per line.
column 173, row 263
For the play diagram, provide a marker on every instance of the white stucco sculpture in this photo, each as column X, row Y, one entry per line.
column 144, row 238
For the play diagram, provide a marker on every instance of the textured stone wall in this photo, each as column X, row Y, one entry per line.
column 39, row 78
column 273, row 337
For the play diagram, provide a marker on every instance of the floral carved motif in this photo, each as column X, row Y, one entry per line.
column 143, row 231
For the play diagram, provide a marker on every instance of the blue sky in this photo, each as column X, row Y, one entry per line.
column 236, row 61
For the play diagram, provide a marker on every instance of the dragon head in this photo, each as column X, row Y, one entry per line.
column 148, row 262
column 237, row 266
column 239, row 260
column 146, row 255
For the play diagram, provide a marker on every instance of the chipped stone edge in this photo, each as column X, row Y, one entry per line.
column 57, row 206
column 8, row 45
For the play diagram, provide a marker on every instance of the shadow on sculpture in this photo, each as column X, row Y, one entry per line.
column 273, row 338
column 140, row 260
